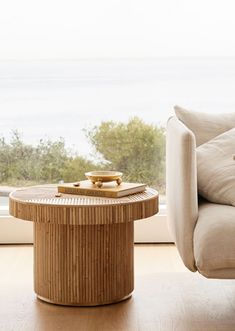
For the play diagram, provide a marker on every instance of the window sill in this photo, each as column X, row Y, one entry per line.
column 150, row 230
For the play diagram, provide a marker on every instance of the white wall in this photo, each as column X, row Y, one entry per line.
column 153, row 229
column 15, row 231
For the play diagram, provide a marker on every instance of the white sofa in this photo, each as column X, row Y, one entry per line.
column 204, row 232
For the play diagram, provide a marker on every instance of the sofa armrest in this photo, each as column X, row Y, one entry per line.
column 181, row 188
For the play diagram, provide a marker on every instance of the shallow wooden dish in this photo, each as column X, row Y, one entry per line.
column 100, row 177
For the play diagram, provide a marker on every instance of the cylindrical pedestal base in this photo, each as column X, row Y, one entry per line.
column 83, row 265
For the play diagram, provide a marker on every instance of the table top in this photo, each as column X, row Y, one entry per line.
column 39, row 204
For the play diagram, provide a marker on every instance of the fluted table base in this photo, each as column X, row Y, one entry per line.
column 83, row 265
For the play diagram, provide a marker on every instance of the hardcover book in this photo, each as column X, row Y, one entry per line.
column 109, row 190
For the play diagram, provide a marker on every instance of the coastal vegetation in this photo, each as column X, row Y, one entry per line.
column 135, row 148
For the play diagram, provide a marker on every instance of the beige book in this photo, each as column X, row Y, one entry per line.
column 109, row 190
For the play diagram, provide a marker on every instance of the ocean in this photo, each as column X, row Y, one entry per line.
column 52, row 99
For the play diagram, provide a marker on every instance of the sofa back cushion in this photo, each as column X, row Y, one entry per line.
column 205, row 126
column 216, row 169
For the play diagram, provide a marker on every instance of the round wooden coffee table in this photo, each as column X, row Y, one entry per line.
column 83, row 246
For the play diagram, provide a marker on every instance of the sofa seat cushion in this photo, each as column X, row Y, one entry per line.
column 214, row 240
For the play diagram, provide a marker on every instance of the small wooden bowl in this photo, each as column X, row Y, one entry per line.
column 100, row 177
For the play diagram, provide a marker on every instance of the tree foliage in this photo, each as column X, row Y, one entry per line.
column 47, row 162
column 76, row 167
column 136, row 148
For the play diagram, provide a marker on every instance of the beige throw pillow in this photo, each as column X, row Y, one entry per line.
column 216, row 169
column 205, row 126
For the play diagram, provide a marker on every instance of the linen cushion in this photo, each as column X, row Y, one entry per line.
column 205, row 126
column 216, row 169
column 214, row 244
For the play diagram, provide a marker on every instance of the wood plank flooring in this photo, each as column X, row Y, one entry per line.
column 167, row 297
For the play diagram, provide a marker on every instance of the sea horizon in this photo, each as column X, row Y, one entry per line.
column 52, row 99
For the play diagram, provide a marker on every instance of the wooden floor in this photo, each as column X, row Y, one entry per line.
column 166, row 297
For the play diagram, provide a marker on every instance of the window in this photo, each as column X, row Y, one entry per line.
column 99, row 62
column 43, row 102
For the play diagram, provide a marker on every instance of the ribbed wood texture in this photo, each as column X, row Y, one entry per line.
column 41, row 205
column 83, row 246
column 83, row 265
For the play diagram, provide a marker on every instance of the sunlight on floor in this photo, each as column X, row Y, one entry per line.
column 152, row 258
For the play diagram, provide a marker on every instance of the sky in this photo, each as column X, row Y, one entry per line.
column 78, row 29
